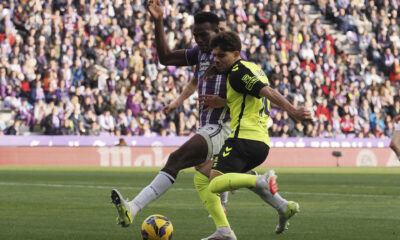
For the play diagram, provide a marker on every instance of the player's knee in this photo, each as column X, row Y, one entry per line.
column 213, row 186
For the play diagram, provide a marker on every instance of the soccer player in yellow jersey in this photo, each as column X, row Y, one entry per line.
column 248, row 97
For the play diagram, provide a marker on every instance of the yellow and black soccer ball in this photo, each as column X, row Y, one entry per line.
column 157, row 227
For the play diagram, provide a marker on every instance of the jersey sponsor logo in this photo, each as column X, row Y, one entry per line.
column 227, row 151
column 203, row 66
column 249, row 81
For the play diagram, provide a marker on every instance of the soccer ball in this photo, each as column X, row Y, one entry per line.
column 157, row 227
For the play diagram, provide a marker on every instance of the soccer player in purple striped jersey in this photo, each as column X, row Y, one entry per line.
column 214, row 124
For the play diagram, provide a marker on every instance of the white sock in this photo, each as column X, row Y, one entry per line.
column 161, row 183
column 276, row 201
column 224, row 198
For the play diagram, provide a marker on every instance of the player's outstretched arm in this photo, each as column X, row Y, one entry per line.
column 165, row 55
column 276, row 98
column 188, row 90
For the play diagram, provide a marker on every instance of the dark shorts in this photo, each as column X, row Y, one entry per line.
column 240, row 155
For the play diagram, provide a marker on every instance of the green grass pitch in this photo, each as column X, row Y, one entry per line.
column 74, row 203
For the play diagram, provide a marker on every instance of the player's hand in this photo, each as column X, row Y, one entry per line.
column 171, row 107
column 155, row 9
column 302, row 114
column 209, row 73
column 396, row 119
column 211, row 101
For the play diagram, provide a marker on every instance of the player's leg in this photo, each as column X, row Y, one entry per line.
column 228, row 164
column 265, row 186
column 286, row 209
column 395, row 142
column 205, row 169
column 224, row 199
column 237, row 157
column 214, row 136
column 223, row 229
column 191, row 153
column 212, row 203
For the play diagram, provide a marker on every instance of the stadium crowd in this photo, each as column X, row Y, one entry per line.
column 76, row 67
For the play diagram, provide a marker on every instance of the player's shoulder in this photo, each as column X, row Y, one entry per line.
column 246, row 67
column 240, row 66
column 248, row 64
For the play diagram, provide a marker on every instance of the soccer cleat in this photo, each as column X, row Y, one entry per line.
column 272, row 184
column 219, row 235
column 123, row 207
column 283, row 224
column 268, row 181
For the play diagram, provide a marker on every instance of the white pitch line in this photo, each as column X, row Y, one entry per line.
column 342, row 194
column 80, row 186
column 353, row 186
column 189, row 189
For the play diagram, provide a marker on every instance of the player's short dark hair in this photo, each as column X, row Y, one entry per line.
column 227, row 41
column 206, row 17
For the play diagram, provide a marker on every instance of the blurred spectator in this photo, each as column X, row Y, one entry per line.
column 347, row 124
column 14, row 129
column 52, row 123
column 67, row 128
column 106, row 121
column 298, row 130
column 3, row 125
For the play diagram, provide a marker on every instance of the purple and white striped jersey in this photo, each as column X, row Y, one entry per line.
column 215, row 86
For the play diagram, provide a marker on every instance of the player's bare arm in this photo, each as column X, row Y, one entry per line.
column 211, row 101
column 165, row 55
column 276, row 98
column 188, row 90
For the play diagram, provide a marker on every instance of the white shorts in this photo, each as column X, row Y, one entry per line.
column 397, row 126
column 215, row 135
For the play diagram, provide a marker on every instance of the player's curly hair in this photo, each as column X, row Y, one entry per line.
column 227, row 41
column 206, row 17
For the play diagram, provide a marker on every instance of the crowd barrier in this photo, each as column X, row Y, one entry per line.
column 154, row 152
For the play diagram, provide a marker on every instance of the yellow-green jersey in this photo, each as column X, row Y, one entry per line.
column 249, row 112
